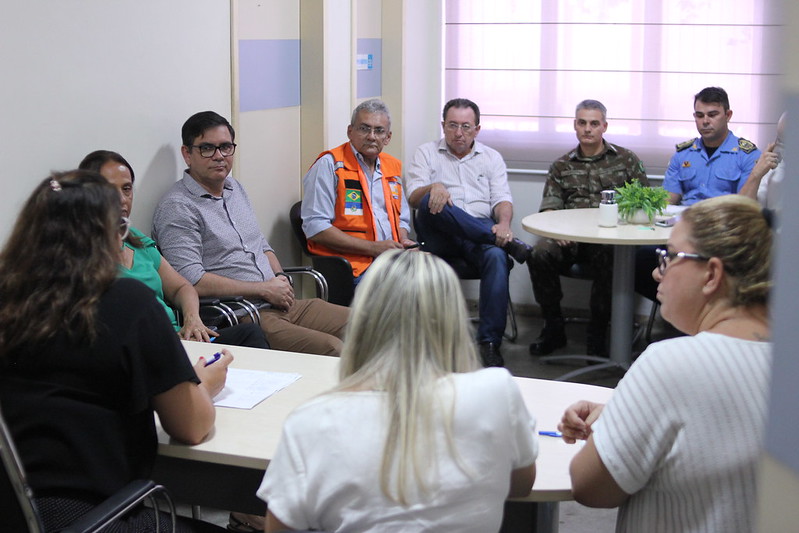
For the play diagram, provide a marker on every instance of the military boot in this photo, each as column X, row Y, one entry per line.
column 596, row 340
column 552, row 337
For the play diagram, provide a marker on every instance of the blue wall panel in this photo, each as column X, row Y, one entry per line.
column 269, row 74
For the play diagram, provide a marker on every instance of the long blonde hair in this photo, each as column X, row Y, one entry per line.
column 408, row 328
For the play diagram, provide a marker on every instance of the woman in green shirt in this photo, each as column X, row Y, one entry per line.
column 141, row 260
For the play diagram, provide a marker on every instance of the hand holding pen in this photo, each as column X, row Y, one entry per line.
column 212, row 371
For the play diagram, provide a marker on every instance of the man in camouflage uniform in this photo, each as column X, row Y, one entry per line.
column 575, row 181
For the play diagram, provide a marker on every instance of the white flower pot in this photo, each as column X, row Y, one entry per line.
column 639, row 217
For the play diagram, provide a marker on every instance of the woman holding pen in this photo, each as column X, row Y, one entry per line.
column 86, row 357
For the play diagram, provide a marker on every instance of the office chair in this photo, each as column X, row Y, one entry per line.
column 582, row 271
column 335, row 269
column 223, row 312
column 20, row 513
column 467, row 271
column 577, row 271
column 229, row 310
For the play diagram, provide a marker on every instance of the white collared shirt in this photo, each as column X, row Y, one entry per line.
column 476, row 183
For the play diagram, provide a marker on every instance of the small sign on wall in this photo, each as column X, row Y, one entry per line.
column 368, row 67
column 364, row 62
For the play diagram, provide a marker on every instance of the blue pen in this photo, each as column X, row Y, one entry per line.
column 551, row 433
column 214, row 358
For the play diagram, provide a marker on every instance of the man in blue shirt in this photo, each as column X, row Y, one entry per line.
column 717, row 162
column 714, row 164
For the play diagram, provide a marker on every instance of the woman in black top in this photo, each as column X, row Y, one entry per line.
column 85, row 357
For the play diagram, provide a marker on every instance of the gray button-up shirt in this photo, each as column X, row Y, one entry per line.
column 199, row 232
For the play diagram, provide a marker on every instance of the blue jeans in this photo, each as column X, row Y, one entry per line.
column 453, row 234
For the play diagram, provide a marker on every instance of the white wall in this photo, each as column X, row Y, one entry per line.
column 80, row 75
column 268, row 162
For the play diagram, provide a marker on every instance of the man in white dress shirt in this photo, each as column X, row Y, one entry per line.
column 460, row 188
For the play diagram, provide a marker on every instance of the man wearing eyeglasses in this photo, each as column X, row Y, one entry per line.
column 576, row 180
column 207, row 230
column 460, row 188
column 353, row 204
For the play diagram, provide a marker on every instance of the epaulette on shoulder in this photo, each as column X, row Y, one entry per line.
column 746, row 146
column 685, row 145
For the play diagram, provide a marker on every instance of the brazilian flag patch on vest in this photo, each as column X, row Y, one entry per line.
column 353, row 203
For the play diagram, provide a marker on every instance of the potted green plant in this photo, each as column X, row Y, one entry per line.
column 639, row 204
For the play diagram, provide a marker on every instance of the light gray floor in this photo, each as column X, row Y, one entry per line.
column 574, row 518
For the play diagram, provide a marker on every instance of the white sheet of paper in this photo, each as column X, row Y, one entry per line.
column 244, row 389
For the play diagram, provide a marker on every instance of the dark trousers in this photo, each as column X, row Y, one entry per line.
column 250, row 335
column 549, row 260
column 453, row 233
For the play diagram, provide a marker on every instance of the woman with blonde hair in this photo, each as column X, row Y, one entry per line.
column 416, row 437
column 677, row 446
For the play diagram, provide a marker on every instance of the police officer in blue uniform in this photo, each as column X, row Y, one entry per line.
column 717, row 162
column 713, row 164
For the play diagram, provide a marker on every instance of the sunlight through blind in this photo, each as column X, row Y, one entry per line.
column 527, row 63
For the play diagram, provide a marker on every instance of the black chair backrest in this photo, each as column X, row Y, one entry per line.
column 296, row 224
column 19, row 508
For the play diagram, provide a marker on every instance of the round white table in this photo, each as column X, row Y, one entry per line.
column 581, row 225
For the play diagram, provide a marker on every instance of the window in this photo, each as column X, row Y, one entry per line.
column 527, row 63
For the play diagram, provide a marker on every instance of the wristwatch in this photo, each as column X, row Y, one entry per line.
column 291, row 281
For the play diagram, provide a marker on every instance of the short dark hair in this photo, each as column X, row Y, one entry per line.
column 713, row 95
column 460, row 103
column 95, row 161
column 199, row 123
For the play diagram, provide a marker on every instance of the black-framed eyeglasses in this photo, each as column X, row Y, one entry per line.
column 665, row 258
column 454, row 126
column 124, row 228
column 365, row 130
column 208, row 150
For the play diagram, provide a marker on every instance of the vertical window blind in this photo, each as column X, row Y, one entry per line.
column 527, row 63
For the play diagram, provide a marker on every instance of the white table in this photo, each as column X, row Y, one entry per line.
column 581, row 225
column 225, row 471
